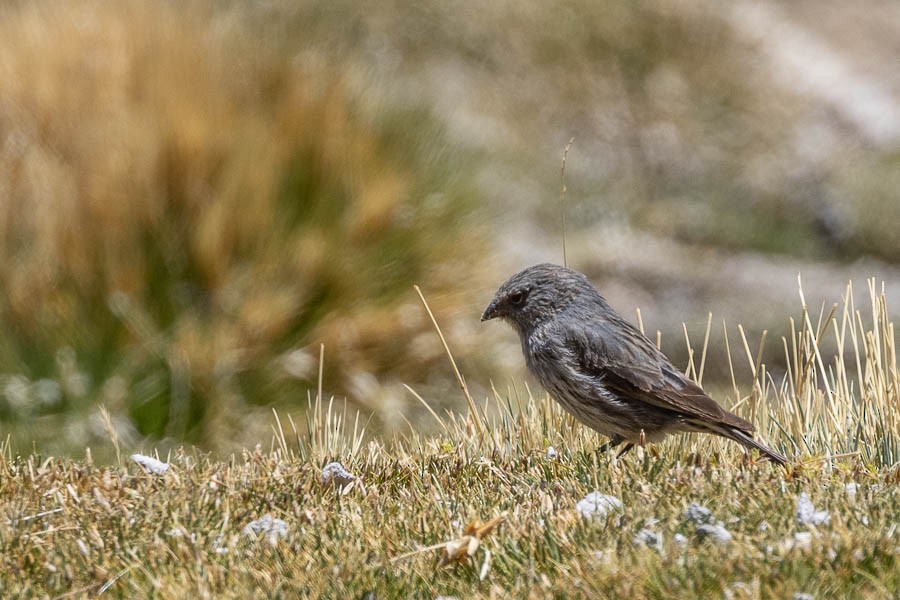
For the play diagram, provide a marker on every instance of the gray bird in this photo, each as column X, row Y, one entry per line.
column 601, row 368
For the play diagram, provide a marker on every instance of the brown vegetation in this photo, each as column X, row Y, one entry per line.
column 192, row 211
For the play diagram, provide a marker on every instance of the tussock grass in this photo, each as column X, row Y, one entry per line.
column 187, row 207
column 418, row 501
column 844, row 404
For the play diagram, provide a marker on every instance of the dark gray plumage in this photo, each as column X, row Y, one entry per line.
column 601, row 368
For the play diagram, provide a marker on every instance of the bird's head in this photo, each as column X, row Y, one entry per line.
column 536, row 294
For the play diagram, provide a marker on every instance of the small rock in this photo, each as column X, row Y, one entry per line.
column 150, row 464
column 219, row 546
column 807, row 513
column 680, row 540
column 552, row 453
column 269, row 526
column 802, row 540
column 649, row 538
column 335, row 474
column 802, row 596
column 717, row 533
column 698, row 514
column 738, row 589
column 596, row 505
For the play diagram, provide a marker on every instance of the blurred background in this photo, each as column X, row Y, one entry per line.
column 194, row 197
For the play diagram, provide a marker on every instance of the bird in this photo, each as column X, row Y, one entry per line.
column 602, row 369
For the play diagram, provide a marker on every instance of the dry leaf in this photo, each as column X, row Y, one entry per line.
column 468, row 544
column 456, row 550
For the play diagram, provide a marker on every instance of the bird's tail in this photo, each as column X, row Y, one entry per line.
column 746, row 440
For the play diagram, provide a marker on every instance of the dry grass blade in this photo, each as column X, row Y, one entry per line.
column 111, row 431
column 427, row 407
column 705, row 348
column 562, row 199
column 473, row 410
column 690, row 370
column 734, row 385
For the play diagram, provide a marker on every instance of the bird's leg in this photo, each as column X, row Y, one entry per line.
column 630, row 445
column 625, row 450
column 612, row 443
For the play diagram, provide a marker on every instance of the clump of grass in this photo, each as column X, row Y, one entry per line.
column 187, row 208
column 480, row 515
column 845, row 404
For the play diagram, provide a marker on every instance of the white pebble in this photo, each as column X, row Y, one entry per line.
column 807, row 513
column 649, row 538
column 335, row 474
column 802, row 540
column 219, row 546
column 716, row 533
column 596, row 505
column 150, row 464
column 271, row 527
column 552, row 453
column 698, row 514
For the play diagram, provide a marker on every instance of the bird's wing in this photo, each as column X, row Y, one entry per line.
column 631, row 366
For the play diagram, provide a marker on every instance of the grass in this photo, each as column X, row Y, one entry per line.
column 181, row 224
column 420, row 503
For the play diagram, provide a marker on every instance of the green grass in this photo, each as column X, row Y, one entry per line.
column 77, row 526
column 137, row 535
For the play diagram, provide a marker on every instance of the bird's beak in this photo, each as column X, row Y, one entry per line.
column 490, row 312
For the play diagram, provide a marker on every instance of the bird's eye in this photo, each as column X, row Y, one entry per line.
column 517, row 298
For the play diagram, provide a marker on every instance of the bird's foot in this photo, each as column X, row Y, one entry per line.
column 612, row 443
